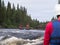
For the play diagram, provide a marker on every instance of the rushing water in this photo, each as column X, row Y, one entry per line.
column 21, row 37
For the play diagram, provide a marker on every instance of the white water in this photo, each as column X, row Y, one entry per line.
column 9, row 39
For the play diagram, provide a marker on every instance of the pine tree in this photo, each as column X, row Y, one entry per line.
column 3, row 12
column 13, row 15
column 8, row 15
column 0, row 12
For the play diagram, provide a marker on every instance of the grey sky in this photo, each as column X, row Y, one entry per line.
column 42, row 10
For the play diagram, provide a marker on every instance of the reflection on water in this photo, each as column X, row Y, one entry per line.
column 21, row 37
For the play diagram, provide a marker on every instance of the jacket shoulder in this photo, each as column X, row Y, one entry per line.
column 49, row 24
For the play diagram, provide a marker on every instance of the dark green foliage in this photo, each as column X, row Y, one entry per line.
column 0, row 13
column 12, row 18
column 0, row 3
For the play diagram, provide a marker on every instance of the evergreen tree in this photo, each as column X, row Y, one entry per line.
column 0, row 3
column 8, row 15
column 3, row 12
column 12, row 18
column 13, row 15
column 0, row 13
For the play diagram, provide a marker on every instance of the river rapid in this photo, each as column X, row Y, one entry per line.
column 21, row 37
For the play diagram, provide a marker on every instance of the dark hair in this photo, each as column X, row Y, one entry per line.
column 58, row 16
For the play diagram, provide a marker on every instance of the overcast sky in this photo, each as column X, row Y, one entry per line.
column 42, row 10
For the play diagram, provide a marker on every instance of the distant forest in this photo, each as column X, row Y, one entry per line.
column 10, row 17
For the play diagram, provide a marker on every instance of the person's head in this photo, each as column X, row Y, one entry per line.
column 58, row 17
column 57, row 10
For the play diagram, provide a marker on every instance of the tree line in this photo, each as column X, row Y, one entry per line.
column 10, row 17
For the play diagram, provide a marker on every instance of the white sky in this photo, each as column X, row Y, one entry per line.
column 42, row 10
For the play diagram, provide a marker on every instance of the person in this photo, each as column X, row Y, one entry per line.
column 52, row 30
column 52, row 33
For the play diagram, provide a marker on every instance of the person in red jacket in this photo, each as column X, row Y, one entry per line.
column 49, row 30
column 52, row 30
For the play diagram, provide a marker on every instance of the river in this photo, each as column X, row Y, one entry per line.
column 21, row 37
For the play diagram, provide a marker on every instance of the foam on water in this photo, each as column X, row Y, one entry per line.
column 20, row 41
column 21, row 37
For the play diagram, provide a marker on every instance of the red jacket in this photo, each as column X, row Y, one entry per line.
column 48, row 31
